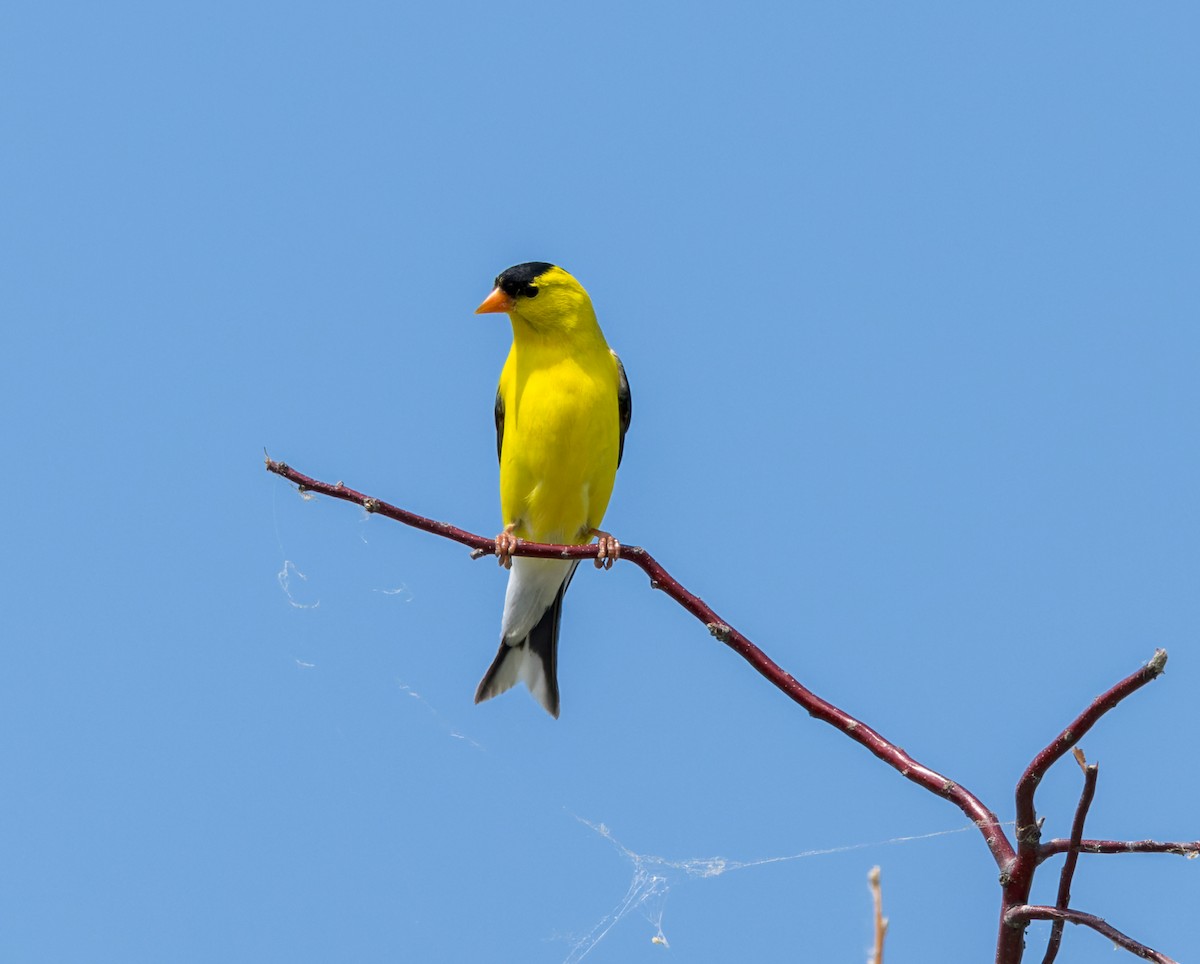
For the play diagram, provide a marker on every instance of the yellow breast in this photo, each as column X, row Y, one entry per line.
column 561, row 437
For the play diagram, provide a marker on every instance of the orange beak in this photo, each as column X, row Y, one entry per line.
column 496, row 301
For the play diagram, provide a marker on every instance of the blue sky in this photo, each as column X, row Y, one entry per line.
column 906, row 296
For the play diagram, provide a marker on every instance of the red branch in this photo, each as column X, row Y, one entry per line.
column 1017, row 864
column 1090, row 774
column 894, row 756
column 1184, row 848
column 1027, row 829
column 1022, row 914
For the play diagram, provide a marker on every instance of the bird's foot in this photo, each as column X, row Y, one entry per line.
column 609, row 550
column 506, row 542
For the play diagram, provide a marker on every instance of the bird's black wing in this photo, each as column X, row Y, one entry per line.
column 624, row 406
column 500, row 423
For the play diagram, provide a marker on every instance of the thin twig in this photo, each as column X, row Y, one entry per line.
column 1027, row 829
column 881, row 922
column 1184, row 848
column 897, row 758
column 1024, row 913
column 1090, row 774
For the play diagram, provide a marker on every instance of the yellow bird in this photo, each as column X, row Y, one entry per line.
column 562, row 409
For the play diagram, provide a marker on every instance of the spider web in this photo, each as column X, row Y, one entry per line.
column 652, row 875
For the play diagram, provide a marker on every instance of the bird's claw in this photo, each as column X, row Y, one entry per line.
column 608, row 549
column 506, row 542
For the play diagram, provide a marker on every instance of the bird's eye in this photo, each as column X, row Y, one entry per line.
column 530, row 291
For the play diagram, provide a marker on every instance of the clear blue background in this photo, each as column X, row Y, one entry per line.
column 907, row 296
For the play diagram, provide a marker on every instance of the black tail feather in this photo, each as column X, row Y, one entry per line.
column 543, row 643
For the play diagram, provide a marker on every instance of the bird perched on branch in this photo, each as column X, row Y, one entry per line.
column 562, row 408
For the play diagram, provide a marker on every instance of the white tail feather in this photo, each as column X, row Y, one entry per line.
column 532, row 586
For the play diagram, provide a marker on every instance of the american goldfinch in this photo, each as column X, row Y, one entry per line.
column 562, row 408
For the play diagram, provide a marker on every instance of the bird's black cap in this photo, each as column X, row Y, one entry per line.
column 515, row 280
